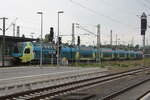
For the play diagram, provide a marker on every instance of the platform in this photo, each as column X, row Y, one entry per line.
column 14, row 72
column 19, row 79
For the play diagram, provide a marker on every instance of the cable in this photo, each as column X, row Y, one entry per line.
column 97, row 13
column 144, row 4
column 12, row 23
column 116, row 7
column 147, row 1
column 81, row 27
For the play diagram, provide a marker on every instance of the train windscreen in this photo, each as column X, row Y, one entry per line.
column 18, row 48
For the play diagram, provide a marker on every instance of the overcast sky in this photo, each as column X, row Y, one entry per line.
column 118, row 15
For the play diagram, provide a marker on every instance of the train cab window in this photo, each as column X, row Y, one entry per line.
column 16, row 50
column 27, row 51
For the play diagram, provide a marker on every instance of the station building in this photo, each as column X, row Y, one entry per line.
column 10, row 41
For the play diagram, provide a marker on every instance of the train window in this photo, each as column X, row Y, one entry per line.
column 27, row 51
column 16, row 50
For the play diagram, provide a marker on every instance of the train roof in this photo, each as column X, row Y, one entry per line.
column 85, row 48
column 106, row 50
column 67, row 48
column 122, row 51
column 139, row 52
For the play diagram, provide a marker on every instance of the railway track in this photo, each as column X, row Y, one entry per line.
column 145, row 96
column 126, row 89
column 72, row 86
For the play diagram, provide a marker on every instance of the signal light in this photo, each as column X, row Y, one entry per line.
column 143, row 23
column 59, row 40
column 78, row 41
column 142, row 32
column 51, row 34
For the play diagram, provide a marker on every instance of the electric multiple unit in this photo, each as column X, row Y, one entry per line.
column 27, row 52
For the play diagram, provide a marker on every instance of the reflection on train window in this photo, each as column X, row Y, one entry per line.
column 27, row 51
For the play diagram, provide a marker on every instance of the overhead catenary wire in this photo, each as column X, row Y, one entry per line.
column 11, row 24
column 81, row 27
column 98, row 13
column 122, row 10
column 144, row 5
column 146, row 2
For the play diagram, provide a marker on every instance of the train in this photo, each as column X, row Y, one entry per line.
column 30, row 52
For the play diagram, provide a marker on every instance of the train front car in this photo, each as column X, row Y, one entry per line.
column 23, row 52
column 28, row 52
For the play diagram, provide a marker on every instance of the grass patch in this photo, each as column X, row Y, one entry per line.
column 124, row 64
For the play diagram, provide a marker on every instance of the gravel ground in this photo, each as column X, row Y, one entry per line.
column 113, row 69
column 105, row 89
column 108, row 88
column 138, row 91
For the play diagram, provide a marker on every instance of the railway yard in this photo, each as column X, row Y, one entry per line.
column 74, row 50
column 74, row 83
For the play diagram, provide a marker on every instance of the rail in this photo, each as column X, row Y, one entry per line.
column 21, row 84
column 58, row 86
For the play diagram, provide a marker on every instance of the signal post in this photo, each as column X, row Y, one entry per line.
column 143, row 28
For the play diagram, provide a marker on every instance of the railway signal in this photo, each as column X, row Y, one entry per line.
column 143, row 23
column 51, row 36
column 143, row 28
column 18, row 31
column 78, row 41
column 60, row 42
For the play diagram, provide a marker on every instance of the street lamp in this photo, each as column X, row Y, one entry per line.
column 41, row 13
column 59, row 12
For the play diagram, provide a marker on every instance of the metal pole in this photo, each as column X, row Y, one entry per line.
column 116, row 41
column 52, row 55
column 58, row 43
column 143, row 43
column 144, row 50
column 3, row 44
column 41, row 13
column 111, row 38
column 14, row 29
column 58, row 51
column 73, row 34
column 18, row 31
column 41, row 38
column 98, row 43
column 3, row 51
column 99, row 35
